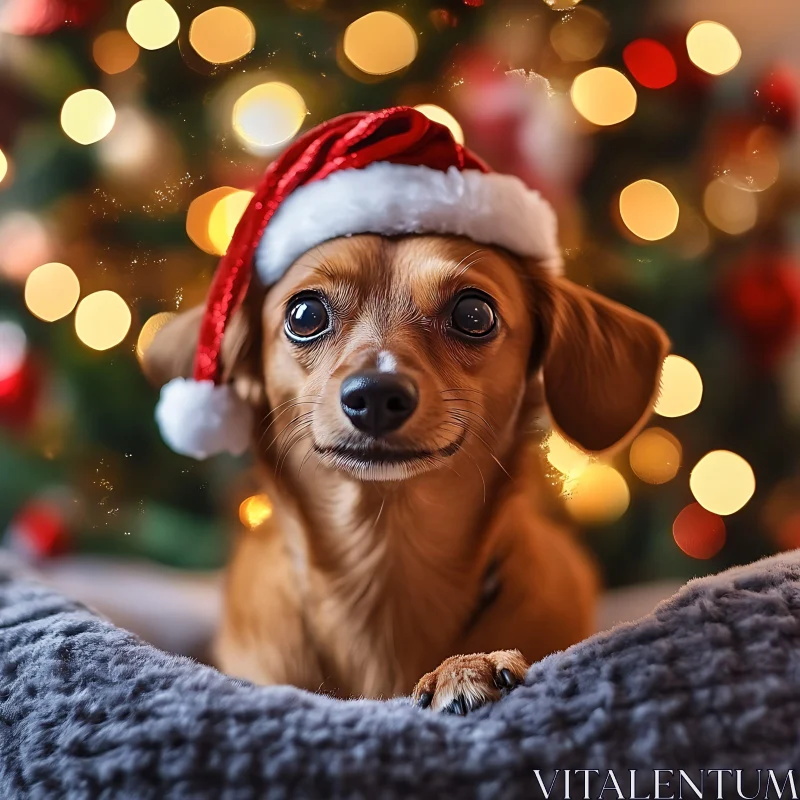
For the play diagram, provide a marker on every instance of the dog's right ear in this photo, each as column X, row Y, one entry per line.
column 172, row 351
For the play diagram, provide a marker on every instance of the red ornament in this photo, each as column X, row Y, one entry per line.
column 40, row 17
column 651, row 63
column 762, row 299
column 776, row 97
column 698, row 532
column 39, row 531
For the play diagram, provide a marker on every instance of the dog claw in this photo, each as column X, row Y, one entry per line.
column 425, row 700
column 458, row 706
column 507, row 680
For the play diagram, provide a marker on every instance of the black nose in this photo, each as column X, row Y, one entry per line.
column 378, row 402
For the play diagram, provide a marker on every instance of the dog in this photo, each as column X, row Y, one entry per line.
column 397, row 383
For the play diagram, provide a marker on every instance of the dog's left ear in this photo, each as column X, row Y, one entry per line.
column 601, row 364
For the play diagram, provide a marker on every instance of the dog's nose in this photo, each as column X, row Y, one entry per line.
column 378, row 402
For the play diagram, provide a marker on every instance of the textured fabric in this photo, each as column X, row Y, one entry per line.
column 711, row 679
column 394, row 199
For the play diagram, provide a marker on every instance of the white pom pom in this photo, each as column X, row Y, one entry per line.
column 200, row 419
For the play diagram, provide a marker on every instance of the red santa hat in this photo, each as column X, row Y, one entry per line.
column 386, row 172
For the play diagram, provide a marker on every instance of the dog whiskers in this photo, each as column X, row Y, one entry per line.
column 296, row 402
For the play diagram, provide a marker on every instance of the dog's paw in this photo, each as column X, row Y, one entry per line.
column 463, row 683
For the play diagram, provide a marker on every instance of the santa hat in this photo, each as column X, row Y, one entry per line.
column 386, row 172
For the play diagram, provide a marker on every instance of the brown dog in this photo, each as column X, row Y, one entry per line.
column 397, row 383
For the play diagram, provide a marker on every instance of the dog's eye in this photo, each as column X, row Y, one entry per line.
column 473, row 316
column 306, row 317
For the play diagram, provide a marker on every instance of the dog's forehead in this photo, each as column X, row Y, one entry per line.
column 418, row 267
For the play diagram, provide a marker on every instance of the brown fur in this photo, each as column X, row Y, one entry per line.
column 361, row 584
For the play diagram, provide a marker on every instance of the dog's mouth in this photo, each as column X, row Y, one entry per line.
column 383, row 462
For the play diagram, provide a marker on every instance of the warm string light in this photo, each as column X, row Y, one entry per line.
column 153, row 24
column 114, row 51
column 102, row 320
column 581, row 35
column 603, row 96
column 681, row 387
column 568, row 459
column 51, row 291
column 598, row 495
column 713, row 48
column 87, row 116
column 380, row 43
column 222, row 35
column 225, row 217
column 655, row 456
column 649, row 210
column 440, row 115
column 149, row 331
column 729, row 208
column 268, row 115
column 255, row 511
column 698, row 532
column 722, row 482
column 3, row 166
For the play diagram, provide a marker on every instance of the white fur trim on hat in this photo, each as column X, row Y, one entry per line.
column 200, row 419
column 392, row 199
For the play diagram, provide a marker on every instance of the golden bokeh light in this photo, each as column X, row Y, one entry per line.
column 698, row 532
column 198, row 217
column 568, row 459
column 153, row 24
column 149, row 330
column 580, row 36
column 562, row 5
column 255, row 511
column 102, row 320
column 380, row 43
column 729, row 208
column 649, row 209
column 3, row 166
column 225, row 217
column 655, row 456
column 603, row 96
column 722, row 482
column 713, row 48
column 87, row 116
column 222, row 34
column 115, row 51
column 51, row 291
column 440, row 115
column 754, row 165
column 681, row 387
column 268, row 115
column 599, row 495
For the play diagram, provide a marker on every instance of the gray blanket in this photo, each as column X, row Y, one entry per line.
column 709, row 681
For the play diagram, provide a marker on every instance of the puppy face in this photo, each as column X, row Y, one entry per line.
column 385, row 358
column 399, row 353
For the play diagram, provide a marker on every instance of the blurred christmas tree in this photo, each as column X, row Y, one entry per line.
column 132, row 133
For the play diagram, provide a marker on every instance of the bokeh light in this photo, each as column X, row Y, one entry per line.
column 699, row 532
column 681, row 387
column 114, row 51
column 87, row 116
column 102, row 320
column 651, row 63
column 713, row 48
column 268, row 115
column 222, row 34
column 729, row 208
column 255, row 511
column 225, row 217
column 753, row 165
column 562, row 5
column 722, row 482
column 599, row 495
column 149, row 330
column 51, row 291
column 3, row 166
column 581, row 35
column 568, row 459
column 13, row 348
column 649, row 209
column 198, row 217
column 655, row 456
column 438, row 114
column 153, row 24
column 25, row 243
column 603, row 96
column 380, row 43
